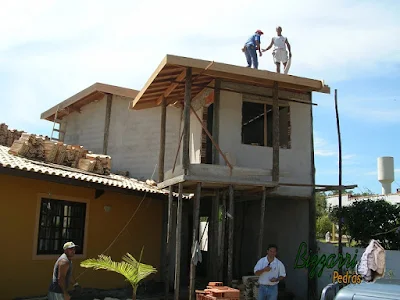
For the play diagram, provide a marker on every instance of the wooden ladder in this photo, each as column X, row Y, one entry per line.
column 61, row 133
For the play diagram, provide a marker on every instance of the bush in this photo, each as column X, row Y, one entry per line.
column 324, row 224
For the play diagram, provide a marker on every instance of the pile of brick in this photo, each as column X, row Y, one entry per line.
column 217, row 291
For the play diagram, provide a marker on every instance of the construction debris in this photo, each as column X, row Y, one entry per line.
column 8, row 136
column 37, row 147
column 217, row 291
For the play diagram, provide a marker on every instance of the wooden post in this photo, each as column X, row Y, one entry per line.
column 340, row 248
column 196, row 224
column 262, row 218
column 275, row 134
column 169, row 235
column 186, row 121
column 231, row 230
column 221, row 246
column 161, row 156
column 107, row 123
column 215, row 129
column 178, row 243
column 213, row 236
column 312, row 282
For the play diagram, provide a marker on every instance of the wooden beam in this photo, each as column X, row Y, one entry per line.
column 107, row 123
column 169, row 236
column 213, row 246
column 230, row 234
column 312, row 222
column 161, row 157
column 178, row 244
column 275, row 134
column 186, row 121
column 98, row 193
column 283, row 95
column 215, row 129
column 211, row 138
column 172, row 87
column 262, row 220
column 221, row 246
column 195, row 239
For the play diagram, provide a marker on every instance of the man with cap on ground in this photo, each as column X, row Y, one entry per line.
column 250, row 49
column 62, row 273
column 279, row 53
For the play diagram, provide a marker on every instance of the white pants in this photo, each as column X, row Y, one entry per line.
column 280, row 56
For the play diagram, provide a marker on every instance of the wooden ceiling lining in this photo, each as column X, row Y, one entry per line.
column 168, row 81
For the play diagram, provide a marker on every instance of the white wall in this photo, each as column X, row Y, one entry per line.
column 296, row 162
column 392, row 262
column 346, row 201
column 134, row 136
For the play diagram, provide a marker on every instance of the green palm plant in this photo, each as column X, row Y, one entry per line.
column 134, row 271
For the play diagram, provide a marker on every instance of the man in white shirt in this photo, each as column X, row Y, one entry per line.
column 270, row 271
column 279, row 53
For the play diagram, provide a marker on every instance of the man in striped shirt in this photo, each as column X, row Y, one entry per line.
column 279, row 53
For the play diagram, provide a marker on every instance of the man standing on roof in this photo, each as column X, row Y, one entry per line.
column 250, row 49
column 279, row 53
column 62, row 273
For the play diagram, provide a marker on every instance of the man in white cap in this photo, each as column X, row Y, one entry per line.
column 62, row 273
column 279, row 53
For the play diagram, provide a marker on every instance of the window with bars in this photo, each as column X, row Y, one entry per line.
column 60, row 222
column 257, row 124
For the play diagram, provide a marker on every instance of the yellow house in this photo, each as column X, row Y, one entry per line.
column 43, row 205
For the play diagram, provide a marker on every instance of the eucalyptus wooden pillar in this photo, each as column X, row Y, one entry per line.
column 230, row 234
column 178, row 243
column 161, row 157
column 275, row 134
column 169, row 235
column 186, row 121
column 262, row 219
column 196, row 224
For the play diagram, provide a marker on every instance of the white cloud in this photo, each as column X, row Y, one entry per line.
column 51, row 50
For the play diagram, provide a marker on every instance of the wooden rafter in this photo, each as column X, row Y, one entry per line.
column 179, row 79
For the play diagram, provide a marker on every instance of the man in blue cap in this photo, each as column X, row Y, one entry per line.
column 250, row 49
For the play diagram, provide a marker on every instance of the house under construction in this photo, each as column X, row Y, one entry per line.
column 239, row 139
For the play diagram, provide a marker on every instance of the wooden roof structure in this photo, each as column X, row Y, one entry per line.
column 168, row 80
column 94, row 92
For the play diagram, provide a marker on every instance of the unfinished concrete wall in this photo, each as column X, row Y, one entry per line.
column 295, row 163
column 87, row 128
column 134, row 136
column 286, row 225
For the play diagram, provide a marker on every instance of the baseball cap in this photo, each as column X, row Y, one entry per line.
column 259, row 31
column 69, row 245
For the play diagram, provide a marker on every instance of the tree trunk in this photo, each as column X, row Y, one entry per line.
column 133, row 296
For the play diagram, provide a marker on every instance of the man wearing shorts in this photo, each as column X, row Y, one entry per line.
column 250, row 49
column 279, row 53
column 62, row 273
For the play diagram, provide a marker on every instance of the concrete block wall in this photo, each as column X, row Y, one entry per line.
column 134, row 136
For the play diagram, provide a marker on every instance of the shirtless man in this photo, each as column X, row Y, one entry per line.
column 62, row 273
column 279, row 53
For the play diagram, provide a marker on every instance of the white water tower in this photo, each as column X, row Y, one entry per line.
column 386, row 173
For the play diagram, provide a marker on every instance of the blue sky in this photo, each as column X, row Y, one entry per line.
column 50, row 51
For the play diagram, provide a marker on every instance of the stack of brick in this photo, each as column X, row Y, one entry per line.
column 217, row 291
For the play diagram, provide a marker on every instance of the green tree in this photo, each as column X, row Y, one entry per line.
column 368, row 219
column 134, row 271
column 320, row 202
column 324, row 224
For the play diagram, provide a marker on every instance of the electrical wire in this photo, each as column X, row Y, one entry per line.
column 123, row 229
